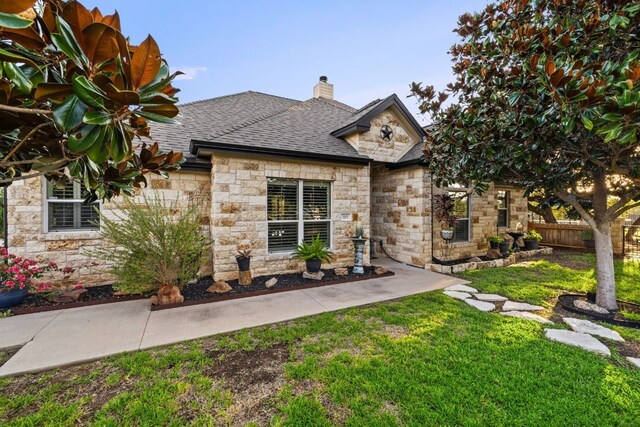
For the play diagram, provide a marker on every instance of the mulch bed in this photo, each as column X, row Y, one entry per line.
column 196, row 293
column 615, row 318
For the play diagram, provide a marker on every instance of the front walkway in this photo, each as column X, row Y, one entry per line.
column 75, row 335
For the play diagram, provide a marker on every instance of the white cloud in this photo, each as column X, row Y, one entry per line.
column 190, row 73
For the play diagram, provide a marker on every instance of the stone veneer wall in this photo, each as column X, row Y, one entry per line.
column 484, row 217
column 28, row 238
column 239, row 210
column 401, row 214
column 372, row 145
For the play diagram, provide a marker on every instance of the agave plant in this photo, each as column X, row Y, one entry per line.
column 76, row 98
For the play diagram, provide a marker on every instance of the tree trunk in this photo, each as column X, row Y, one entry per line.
column 545, row 212
column 606, row 291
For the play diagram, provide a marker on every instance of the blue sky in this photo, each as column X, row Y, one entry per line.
column 368, row 49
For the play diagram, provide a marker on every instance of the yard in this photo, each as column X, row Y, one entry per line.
column 423, row 360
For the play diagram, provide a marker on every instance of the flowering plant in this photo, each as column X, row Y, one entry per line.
column 19, row 273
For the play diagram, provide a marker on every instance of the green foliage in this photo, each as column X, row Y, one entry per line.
column 152, row 243
column 76, row 95
column 364, row 366
column 317, row 249
column 495, row 239
column 532, row 235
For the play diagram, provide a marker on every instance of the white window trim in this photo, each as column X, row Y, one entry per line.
column 507, row 208
column 300, row 220
column 469, row 217
column 45, row 213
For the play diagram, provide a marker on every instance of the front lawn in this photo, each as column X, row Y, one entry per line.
column 423, row 360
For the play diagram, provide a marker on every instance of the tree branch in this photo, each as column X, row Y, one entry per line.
column 19, row 144
column 20, row 110
column 566, row 197
column 24, row 177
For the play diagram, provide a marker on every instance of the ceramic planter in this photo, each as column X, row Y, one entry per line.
column 13, row 297
column 313, row 265
column 494, row 245
column 505, row 246
column 446, row 234
column 244, row 264
column 530, row 244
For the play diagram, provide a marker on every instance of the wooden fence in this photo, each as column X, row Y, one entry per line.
column 570, row 235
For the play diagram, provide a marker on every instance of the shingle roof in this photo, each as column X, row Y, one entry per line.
column 415, row 153
column 304, row 127
column 210, row 117
column 254, row 121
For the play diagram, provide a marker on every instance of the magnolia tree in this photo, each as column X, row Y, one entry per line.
column 546, row 98
column 76, row 98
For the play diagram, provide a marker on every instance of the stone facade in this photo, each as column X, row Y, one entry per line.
column 27, row 236
column 372, row 145
column 484, row 220
column 239, row 210
column 400, row 213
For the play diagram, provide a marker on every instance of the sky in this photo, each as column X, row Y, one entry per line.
column 367, row 49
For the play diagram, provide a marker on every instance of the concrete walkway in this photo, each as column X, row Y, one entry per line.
column 77, row 335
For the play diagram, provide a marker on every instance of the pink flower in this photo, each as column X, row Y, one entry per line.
column 52, row 264
column 9, row 284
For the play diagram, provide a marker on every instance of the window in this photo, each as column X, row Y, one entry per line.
column 462, row 229
column 296, row 211
column 503, row 208
column 65, row 210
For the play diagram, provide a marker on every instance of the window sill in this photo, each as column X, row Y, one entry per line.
column 278, row 256
column 72, row 235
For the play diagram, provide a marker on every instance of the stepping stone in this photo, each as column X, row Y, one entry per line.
column 462, row 288
column 577, row 339
column 634, row 361
column 520, row 306
column 480, row 305
column 528, row 316
column 490, row 297
column 587, row 327
column 457, row 295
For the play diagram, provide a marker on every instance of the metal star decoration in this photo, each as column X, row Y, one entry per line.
column 386, row 132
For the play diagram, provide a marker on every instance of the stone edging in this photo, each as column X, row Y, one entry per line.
column 501, row 262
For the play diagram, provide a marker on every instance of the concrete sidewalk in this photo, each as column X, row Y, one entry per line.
column 76, row 335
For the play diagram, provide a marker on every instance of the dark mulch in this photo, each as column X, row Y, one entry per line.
column 198, row 291
column 104, row 294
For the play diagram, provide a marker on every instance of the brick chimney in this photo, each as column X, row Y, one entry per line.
column 323, row 89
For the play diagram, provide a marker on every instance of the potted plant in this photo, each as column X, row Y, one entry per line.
column 243, row 258
column 18, row 275
column 505, row 246
column 531, row 240
column 314, row 253
column 494, row 241
column 587, row 238
column 443, row 206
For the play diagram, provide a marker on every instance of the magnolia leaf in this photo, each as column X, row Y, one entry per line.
column 7, row 56
column 85, row 137
column 145, row 63
column 78, row 18
column 166, row 110
column 157, row 118
column 588, row 124
column 100, row 43
column 89, row 93
column 67, row 43
column 69, row 114
column 9, row 20
column 122, row 97
column 16, row 6
column 101, row 118
column 55, row 91
column 99, row 152
column 18, row 78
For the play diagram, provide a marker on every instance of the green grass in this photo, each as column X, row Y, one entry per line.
column 423, row 360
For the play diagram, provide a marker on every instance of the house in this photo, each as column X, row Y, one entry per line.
column 269, row 171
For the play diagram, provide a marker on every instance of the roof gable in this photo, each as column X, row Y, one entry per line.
column 361, row 119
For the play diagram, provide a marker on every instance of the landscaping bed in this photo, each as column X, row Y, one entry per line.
column 616, row 317
column 462, row 265
column 196, row 293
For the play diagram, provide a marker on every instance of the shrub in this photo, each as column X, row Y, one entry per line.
column 495, row 239
column 316, row 249
column 533, row 235
column 151, row 244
